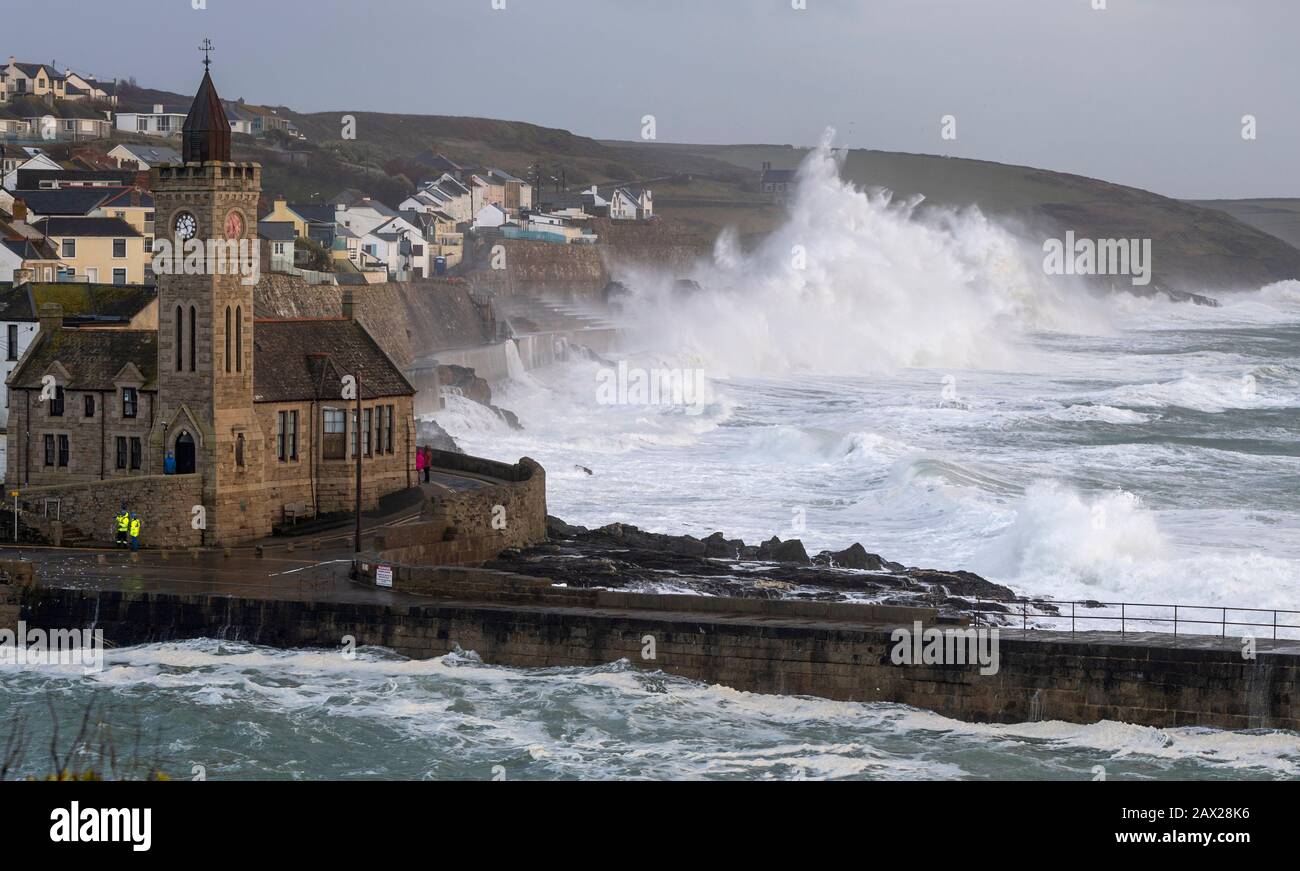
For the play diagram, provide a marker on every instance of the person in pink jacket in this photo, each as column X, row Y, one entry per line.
column 421, row 464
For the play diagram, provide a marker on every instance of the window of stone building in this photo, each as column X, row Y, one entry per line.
column 239, row 450
column 180, row 337
column 367, row 419
column 11, row 350
column 63, row 450
column 239, row 338
column 130, row 402
column 286, row 435
column 137, row 452
column 194, row 336
column 388, row 437
column 121, row 452
column 89, row 400
column 334, row 434
column 56, row 404
column 49, row 449
column 227, row 338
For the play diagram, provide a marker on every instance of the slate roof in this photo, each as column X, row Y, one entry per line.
column 122, row 199
column 80, row 302
column 87, row 227
column 64, row 202
column 276, row 231
column 93, row 358
column 154, row 154
column 315, row 213
column 31, row 70
column 305, row 358
column 31, row 249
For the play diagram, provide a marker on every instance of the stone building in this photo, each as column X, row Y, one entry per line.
column 262, row 413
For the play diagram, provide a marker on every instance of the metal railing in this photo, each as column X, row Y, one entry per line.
column 1132, row 613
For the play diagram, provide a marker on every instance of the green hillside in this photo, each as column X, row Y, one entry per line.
column 1197, row 246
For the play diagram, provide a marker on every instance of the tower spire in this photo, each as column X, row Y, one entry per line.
column 206, row 133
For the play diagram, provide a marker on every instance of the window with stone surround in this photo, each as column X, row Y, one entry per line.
column 130, row 402
column 137, row 453
column 89, row 400
column 333, row 434
column 56, row 403
column 49, row 449
column 121, row 452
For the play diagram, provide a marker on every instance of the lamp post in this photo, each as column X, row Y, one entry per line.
column 357, row 545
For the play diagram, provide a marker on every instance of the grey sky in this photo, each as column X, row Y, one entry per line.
column 1146, row 92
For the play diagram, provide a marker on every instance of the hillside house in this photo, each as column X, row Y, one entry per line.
column 164, row 120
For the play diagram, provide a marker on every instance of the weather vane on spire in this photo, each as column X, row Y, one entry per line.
column 206, row 48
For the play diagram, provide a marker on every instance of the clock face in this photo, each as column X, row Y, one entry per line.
column 186, row 226
column 234, row 226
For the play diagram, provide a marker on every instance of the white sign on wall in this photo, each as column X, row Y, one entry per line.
column 383, row 576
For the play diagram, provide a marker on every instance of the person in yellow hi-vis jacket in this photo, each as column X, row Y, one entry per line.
column 135, row 532
column 123, row 521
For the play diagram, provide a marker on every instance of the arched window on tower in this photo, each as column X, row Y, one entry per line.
column 227, row 338
column 180, row 336
column 194, row 334
column 239, row 338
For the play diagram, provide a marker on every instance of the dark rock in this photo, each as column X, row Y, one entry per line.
column 717, row 545
column 557, row 528
column 855, row 556
column 776, row 550
column 578, row 468
column 428, row 432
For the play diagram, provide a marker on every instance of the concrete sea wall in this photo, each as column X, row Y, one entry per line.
column 763, row 648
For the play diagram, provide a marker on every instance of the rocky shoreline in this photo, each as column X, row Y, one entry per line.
column 623, row 557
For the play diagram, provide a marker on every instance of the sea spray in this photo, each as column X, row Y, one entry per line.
column 856, row 281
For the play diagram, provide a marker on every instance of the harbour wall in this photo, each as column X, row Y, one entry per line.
column 762, row 646
column 471, row 526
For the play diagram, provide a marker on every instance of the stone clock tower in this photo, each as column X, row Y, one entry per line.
column 206, row 421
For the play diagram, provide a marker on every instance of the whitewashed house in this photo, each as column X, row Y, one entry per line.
column 162, row 121
column 630, row 203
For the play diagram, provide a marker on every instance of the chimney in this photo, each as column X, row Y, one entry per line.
column 349, row 305
column 51, row 317
column 20, row 209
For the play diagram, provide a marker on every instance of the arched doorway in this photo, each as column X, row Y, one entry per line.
column 184, row 454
